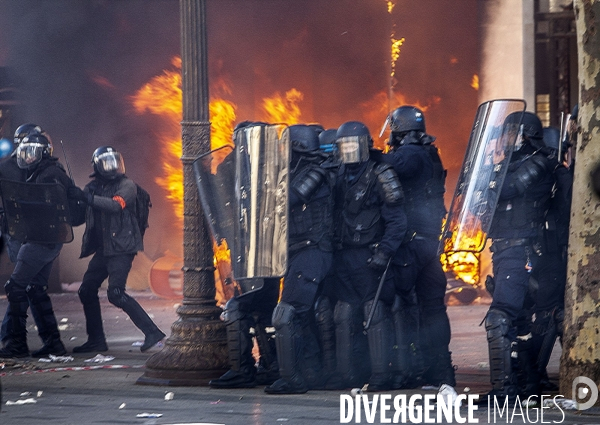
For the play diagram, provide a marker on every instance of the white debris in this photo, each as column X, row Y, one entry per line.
column 148, row 415
column 39, row 394
column 137, row 344
column 355, row 391
column 18, row 402
column 63, row 327
column 64, row 320
column 169, row 396
column 25, row 394
column 99, row 358
column 467, row 389
column 448, row 392
column 482, row 365
column 122, row 406
column 563, row 403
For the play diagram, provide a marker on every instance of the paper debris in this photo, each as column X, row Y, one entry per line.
column 25, row 401
column 148, row 415
column 99, row 358
column 169, row 396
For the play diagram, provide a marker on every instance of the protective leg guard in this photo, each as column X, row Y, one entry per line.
column 435, row 338
column 239, row 345
column 16, row 319
column 289, row 352
column 380, row 337
column 326, row 327
column 268, row 369
column 497, row 325
column 119, row 298
column 407, row 364
column 41, row 303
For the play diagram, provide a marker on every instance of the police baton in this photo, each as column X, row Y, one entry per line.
column 66, row 160
column 377, row 295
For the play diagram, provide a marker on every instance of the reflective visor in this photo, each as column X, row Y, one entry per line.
column 29, row 154
column 353, row 149
column 110, row 164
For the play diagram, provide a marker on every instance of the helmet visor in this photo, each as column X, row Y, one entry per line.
column 352, row 149
column 29, row 154
column 110, row 164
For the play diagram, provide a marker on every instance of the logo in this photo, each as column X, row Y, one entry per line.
column 581, row 389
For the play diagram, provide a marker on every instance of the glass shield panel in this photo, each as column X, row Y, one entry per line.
column 262, row 166
column 490, row 147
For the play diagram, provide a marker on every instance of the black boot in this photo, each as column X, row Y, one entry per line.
column 91, row 346
column 52, row 346
column 152, row 339
column 93, row 325
column 289, row 352
column 16, row 330
column 242, row 372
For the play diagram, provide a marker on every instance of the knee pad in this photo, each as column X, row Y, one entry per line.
column 37, row 293
column 283, row 315
column 342, row 313
column 379, row 315
column 118, row 297
column 15, row 292
column 87, row 294
column 497, row 324
column 231, row 312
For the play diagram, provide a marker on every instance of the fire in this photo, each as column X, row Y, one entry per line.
column 283, row 109
column 465, row 264
column 390, row 6
column 396, row 44
column 475, row 82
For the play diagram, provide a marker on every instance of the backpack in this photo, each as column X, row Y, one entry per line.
column 142, row 208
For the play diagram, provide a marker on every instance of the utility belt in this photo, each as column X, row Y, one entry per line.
column 499, row 245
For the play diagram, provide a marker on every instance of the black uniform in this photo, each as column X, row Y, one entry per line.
column 28, row 283
column 310, row 229
column 418, row 274
column 369, row 213
column 113, row 236
column 520, row 212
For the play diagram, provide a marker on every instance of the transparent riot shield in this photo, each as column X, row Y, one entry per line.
column 261, row 189
column 36, row 212
column 490, row 147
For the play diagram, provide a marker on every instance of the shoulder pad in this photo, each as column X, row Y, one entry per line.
column 391, row 189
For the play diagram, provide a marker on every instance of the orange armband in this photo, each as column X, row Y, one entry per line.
column 120, row 200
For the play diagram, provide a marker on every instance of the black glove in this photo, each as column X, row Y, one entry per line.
column 378, row 261
column 76, row 193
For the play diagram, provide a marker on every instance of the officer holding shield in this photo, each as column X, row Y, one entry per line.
column 28, row 283
column 522, row 204
column 310, row 254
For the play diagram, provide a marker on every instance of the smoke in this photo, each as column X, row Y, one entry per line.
column 77, row 62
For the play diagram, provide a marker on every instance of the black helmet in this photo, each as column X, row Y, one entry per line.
column 532, row 126
column 327, row 140
column 108, row 162
column 32, row 149
column 551, row 138
column 353, row 141
column 407, row 118
column 27, row 130
column 303, row 138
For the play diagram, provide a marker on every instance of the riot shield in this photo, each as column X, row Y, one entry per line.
column 36, row 212
column 262, row 168
column 243, row 193
column 490, row 147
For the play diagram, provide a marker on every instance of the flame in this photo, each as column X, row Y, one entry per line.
column 464, row 264
column 283, row 109
column 396, row 43
column 475, row 82
column 390, row 6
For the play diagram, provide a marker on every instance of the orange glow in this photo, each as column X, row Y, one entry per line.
column 396, row 44
column 475, row 82
column 280, row 109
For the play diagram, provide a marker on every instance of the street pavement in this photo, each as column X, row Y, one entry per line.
column 80, row 392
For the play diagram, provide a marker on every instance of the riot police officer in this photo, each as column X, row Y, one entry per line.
column 551, row 270
column 416, row 266
column 522, row 204
column 28, row 283
column 370, row 225
column 310, row 230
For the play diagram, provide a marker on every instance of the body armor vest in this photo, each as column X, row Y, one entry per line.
column 311, row 223
column 361, row 224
